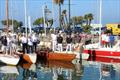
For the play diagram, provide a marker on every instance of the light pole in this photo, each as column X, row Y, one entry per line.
column 100, row 22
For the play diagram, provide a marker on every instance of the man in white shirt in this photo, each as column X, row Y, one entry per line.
column 35, row 40
column 30, row 44
column 24, row 43
column 54, row 41
column 103, row 38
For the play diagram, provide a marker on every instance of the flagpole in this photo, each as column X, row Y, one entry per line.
column 25, row 16
column 100, row 22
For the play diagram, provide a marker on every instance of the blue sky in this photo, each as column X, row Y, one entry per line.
column 110, row 9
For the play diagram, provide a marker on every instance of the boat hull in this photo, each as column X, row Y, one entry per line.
column 103, row 53
column 60, row 56
column 9, row 59
column 30, row 58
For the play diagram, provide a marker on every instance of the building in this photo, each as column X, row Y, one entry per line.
column 95, row 28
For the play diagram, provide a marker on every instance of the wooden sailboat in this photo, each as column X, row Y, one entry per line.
column 61, row 56
column 30, row 58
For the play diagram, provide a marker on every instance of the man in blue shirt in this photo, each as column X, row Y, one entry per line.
column 112, row 40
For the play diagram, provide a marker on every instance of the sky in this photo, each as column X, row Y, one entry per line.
column 110, row 10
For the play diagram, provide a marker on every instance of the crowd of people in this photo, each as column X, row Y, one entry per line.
column 108, row 40
column 10, row 43
column 59, row 41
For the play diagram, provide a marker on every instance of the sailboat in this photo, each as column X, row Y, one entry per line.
column 96, row 50
column 8, row 58
column 30, row 58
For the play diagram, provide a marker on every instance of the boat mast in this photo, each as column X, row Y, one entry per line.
column 44, row 8
column 7, row 15
column 29, row 24
column 69, row 13
column 53, row 14
column 25, row 17
column 100, row 22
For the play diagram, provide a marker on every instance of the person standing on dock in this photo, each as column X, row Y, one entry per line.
column 112, row 40
column 9, row 43
column 103, row 38
column 54, row 41
column 24, row 43
column 4, row 44
column 59, row 41
column 69, row 43
column 35, row 40
column 30, row 44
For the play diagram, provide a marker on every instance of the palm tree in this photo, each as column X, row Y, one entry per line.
column 38, row 22
column 65, row 16
column 80, row 20
column 90, row 18
column 86, row 18
column 59, row 2
column 62, row 20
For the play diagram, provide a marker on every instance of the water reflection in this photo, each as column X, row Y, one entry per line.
column 57, row 70
column 8, row 72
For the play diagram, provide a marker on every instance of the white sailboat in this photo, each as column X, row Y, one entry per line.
column 9, row 59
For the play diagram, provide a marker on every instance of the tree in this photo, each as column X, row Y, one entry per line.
column 90, row 18
column 39, row 22
column 59, row 2
column 77, row 20
column 87, row 18
column 64, row 19
column 50, row 22
column 16, row 24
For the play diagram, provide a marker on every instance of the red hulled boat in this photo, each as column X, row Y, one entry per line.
column 103, row 52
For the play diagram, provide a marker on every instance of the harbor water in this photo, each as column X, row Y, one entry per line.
column 59, row 70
